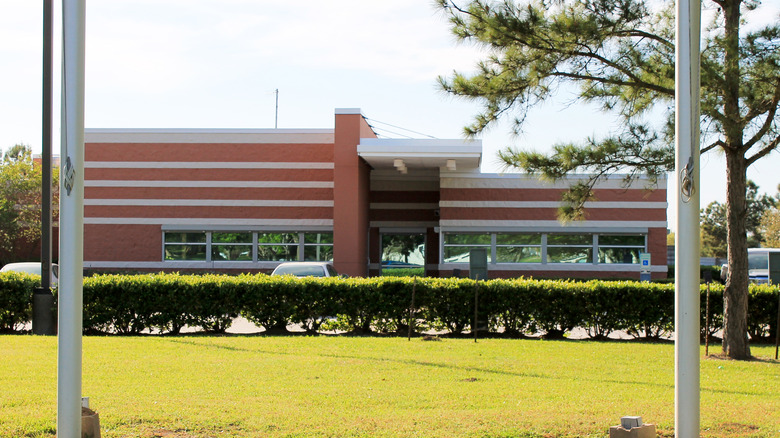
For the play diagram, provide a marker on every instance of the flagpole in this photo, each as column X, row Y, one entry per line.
column 687, row 239
column 71, row 222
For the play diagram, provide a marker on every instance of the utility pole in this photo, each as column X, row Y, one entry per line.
column 48, row 12
column 276, row 117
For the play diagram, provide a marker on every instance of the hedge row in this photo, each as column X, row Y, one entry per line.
column 165, row 303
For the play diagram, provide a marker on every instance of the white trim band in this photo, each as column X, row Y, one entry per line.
column 205, row 222
column 205, row 165
column 549, row 204
column 211, row 136
column 551, row 225
column 206, row 203
column 515, row 181
column 214, row 184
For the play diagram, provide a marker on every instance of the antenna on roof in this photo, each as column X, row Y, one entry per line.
column 276, row 117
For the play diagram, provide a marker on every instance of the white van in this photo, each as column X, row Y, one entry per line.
column 758, row 265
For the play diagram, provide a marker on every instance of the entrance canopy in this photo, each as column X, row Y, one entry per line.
column 382, row 153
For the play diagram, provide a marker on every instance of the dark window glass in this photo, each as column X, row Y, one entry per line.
column 321, row 238
column 518, row 239
column 277, row 238
column 185, row 252
column 621, row 240
column 231, row 237
column 569, row 239
column 466, row 239
column 185, row 237
column 277, row 253
column 318, row 253
column 231, row 252
column 619, row 255
column 518, row 254
column 460, row 254
column 569, row 255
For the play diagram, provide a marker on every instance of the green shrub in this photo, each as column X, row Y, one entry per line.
column 16, row 290
column 164, row 303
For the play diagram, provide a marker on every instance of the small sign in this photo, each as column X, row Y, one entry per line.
column 644, row 262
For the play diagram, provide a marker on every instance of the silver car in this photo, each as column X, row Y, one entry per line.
column 33, row 268
column 306, row 269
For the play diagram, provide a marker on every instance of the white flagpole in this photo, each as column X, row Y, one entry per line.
column 71, row 222
column 687, row 240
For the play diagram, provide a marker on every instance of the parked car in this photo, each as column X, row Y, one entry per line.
column 32, row 268
column 306, row 269
column 393, row 264
column 758, row 265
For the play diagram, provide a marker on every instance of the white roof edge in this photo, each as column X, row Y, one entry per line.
column 433, row 142
column 349, row 111
column 194, row 136
column 456, row 174
column 204, row 131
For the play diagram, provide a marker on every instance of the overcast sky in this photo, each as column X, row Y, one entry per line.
column 216, row 64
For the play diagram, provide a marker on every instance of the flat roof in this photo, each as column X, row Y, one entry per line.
column 382, row 153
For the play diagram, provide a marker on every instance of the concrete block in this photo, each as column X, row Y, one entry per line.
column 644, row 431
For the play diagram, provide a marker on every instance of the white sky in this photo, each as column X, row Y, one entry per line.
column 216, row 64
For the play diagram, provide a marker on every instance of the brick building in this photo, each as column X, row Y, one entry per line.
column 245, row 200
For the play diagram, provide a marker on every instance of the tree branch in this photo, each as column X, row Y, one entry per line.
column 763, row 152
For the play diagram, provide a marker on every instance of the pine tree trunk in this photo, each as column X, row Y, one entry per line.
column 735, row 297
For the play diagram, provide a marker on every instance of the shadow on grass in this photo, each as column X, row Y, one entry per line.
column 191, row 341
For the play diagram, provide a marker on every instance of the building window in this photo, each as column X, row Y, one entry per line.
column 458, row 246
column 569, row 248
column 247, row 246
column 318, row 247
column 277, row 247
column 185, row 246
column 623, row 249
column 518, row 248
column 546, row 247
column 231, row 247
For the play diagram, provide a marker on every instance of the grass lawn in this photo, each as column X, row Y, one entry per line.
column 255, row 386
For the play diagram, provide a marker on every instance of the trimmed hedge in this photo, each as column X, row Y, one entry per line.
column 16, row 289
column 165, row 303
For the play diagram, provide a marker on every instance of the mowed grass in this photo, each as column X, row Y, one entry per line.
column 256, row 386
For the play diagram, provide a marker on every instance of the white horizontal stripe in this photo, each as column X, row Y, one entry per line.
column 554, row 225
column 204, row 165
column 207, row 203
column 403, row 206
column 180, row 265
column 548, row 204
column 558, row 267
column 220, row 184
column 403, row 224
column 205, row 221
column 513, row 181
column 204, row 136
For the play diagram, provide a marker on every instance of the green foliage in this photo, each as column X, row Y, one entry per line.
column 770, row 228
column 714, row 232
column 621, row 56
column 16, row 289
column 165, row 303
column 403, row 272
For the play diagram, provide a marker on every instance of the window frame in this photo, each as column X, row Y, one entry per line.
column 209, row 244
column 590, row 244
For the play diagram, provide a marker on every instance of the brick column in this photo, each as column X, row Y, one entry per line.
column 351, row 184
